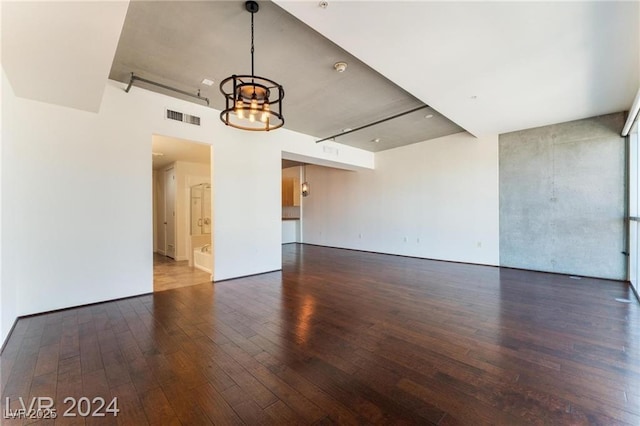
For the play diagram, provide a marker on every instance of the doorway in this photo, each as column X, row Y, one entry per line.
column 293, row 177
column 183, row 254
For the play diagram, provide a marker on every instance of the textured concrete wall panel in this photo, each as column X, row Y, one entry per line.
column 562, row 198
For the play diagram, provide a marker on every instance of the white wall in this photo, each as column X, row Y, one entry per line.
column 154, row 206
column 158, row 211
column 77, row 199
column 8, row 291
column 77, row 212
column 290, row 231
column 330, row 154
column 634, row 207
column 441, row 195
column 247, row 210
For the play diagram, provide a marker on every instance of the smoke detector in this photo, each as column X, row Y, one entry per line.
column 340, row 66
column 323, row 4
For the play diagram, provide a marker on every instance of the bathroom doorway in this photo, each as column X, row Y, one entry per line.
column 182, row 213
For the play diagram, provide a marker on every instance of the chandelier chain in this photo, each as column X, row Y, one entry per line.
column 252, row 49
column 252, row 103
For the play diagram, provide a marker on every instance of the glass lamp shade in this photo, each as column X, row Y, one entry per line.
column 252, row 103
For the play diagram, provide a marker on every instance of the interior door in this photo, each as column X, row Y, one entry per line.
column 170, row 212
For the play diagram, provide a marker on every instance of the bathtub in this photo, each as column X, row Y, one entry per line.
column 203, row 258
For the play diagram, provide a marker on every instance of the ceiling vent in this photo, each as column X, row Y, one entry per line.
column 185, row 118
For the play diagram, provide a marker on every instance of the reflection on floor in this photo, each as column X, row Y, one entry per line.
column 168, row 274
column 340, row 337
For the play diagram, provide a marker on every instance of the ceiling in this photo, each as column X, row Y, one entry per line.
column 181, row 43
column 60, row 52
column 494, row 67
column 489, row 67
column 167, row 150
column 290, row 163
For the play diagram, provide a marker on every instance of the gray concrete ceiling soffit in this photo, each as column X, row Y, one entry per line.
column 180, row 43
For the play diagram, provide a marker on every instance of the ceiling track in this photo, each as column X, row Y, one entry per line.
column 164, row 86
column 332, row 137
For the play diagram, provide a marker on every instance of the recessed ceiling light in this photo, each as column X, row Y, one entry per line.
column 428, row 116
column 340, row 66
column 323, row 4
column 346, row 129
column 207, row 82
column 376, row 140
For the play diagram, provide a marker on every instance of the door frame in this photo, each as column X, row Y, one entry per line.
column 170, row 170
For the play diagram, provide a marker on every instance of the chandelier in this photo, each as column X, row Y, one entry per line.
column 252, row 102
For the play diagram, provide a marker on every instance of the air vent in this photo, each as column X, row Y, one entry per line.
column 174, row 115
column 192, row 119
column 185, row 118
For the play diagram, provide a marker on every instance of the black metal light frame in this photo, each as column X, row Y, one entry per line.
column 253, row 96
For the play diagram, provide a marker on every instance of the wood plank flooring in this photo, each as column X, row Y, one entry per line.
column 344, row 337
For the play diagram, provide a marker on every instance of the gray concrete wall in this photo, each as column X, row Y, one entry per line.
column 562, row 198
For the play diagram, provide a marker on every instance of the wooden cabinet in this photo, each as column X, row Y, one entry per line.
column 290, row 191
column 287, row 191
column 296, row 192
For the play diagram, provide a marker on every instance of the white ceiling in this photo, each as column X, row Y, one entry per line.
column 61, row 52
column 173, row 149
column 527, row 63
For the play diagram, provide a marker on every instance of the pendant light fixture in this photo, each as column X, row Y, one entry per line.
column 252, row 102
column 305, row 184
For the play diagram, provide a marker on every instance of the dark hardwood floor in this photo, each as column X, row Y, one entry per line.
column 344, row 337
